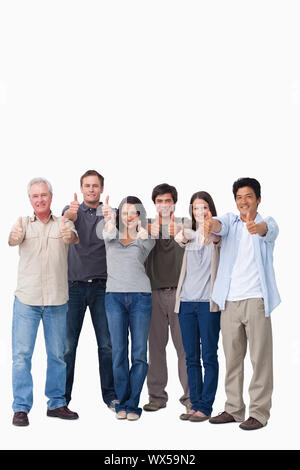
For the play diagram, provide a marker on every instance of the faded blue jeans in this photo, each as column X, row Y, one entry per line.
column 129, row 312
column 26, row 319
column 200, row 330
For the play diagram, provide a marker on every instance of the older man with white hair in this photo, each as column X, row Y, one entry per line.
column 41, row 294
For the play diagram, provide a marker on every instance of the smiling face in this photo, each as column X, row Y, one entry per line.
column 40, row 199
column 129, row 216
column 91, row 189
column 200, row 209
column 164, row 204
column 246, row 202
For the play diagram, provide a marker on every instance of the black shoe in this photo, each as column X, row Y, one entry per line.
column 20, row 418
column 62, row 412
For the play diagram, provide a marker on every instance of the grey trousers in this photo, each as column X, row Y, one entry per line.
column 244, row 322
column 163, row 318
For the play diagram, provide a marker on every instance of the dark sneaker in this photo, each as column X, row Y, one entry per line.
column 222, row 418
column 20, row 418
column 251, row 424
column 62, row 412
column 154, row 406
column 112, row 405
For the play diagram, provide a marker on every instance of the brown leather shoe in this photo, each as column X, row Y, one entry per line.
column 154, row 406
column 198, row 418
column 251, row 424
column 20, row 418
column 62, row 412
column 187, row 416
column 222, row 418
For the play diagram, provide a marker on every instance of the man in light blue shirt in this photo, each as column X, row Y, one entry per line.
column 246, row 291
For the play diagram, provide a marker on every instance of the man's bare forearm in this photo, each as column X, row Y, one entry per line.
column 70, row 215
column 216, row 226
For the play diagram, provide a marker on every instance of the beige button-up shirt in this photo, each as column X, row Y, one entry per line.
column 43, row 265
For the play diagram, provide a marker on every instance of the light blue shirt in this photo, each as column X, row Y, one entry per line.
column 263, row 253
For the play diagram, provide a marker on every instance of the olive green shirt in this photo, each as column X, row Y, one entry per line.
column 163, row 264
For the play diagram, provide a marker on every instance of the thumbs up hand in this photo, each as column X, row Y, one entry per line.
column 16, row 234
column 142, row 233
column 74, row 206
column 207, row 224
column 173, row 228
column 109, row 216
column 154, row 227
column 66, row 231
column 251, row 225
column 181, row 237
column 107, row 211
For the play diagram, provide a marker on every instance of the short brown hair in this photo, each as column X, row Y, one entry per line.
column 92, row 173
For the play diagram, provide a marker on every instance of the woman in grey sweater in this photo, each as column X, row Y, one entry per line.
column 128, row 300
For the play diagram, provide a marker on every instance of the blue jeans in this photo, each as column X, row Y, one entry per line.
column 26, row 319
column 129, row 312
column 200, row 335
column 81, row 296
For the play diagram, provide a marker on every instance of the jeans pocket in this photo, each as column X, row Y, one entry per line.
column 145, row 294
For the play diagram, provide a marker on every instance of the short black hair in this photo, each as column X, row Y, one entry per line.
column 242, row 182
column 139, row 208
column 163, row 189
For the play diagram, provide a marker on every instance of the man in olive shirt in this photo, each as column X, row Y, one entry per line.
column 163, row 268
column 41, row 294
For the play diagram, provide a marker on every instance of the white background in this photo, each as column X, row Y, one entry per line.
column 192, row 93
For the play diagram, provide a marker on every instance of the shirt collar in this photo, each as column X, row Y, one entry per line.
column 257, row 219
column 34, row 217
column 86, row 208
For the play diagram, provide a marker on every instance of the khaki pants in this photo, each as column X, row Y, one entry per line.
column 243, row 321
column 163, row 317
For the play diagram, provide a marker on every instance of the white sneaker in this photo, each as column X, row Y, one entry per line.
column 121, row 414
column 132, row 416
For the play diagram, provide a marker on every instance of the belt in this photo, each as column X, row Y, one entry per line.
column 167, row 288
column 91, row 280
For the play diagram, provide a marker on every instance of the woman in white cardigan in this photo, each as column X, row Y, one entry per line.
column 199, row 316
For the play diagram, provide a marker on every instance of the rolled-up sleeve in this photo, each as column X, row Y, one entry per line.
column 225, row 223
column 272, row 232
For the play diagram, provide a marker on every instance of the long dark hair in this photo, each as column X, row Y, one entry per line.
column 139, row 208
column 207, row 198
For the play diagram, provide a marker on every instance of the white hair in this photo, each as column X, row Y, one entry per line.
column 39, row 181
